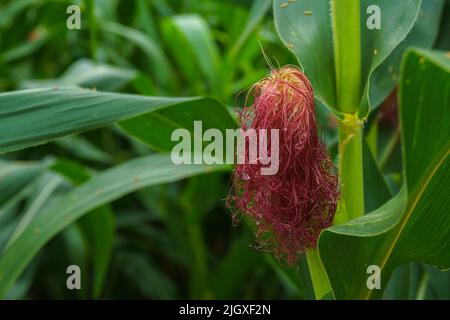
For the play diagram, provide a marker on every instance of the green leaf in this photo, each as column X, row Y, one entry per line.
column 146, row 276
column 239, row 261
column 71, row 170
column 83, row 148
column 9, row 11
column 295, row 278
column 97, row 227
column 417, row 281
column 416, row 220
column 75, row 247
column 146, row 20
column 14, row 176
column 257, row 13
column 103, row 188
column 425, row 82
column 28, row 48
column 159, row 62
column 422, row 35
column 33, row 117
column 88, row 74
column 18, row 181
column 305, row 28
column 443, row 41
column 23, row 284
column 155, row 129
column 377, row 222
column 195, row 202
column 44, row 189
column 376, row 190
column 403, row 283
column 192, row 33
column 439, row 280
column 377, row 45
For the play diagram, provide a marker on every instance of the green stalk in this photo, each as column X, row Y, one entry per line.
column 319, row 278
column 347, row 50
column 351, row 169
column 90, row 6
column 347, row 53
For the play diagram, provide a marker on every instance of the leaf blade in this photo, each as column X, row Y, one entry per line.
column 37, row 116
column 105, row 187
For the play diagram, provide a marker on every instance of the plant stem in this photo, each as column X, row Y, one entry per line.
column 347, row 53
column 319, row 278
column 351, row 169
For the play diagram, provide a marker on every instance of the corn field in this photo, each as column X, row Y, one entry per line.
column 225, row 149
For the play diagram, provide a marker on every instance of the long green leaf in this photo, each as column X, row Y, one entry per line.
column 159, row 62
column 376, row 190
column 257, row 13
column 88, row 74
column 155, row 128
column 15, row 175
column 33, row 117
column 106, row 187
column 422, row 35
column 191, row 32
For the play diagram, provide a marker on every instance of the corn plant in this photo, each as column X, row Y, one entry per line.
column 358, row 207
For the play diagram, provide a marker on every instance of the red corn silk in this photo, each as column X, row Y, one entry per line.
column 291, row 208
